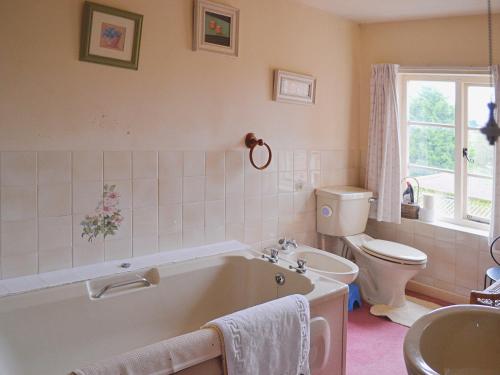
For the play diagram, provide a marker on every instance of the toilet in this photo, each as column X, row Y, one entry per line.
column 385, row 267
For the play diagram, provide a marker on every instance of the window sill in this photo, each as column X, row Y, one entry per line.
column 453, row 226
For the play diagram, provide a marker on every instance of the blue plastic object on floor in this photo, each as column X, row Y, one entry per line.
column 354, row 297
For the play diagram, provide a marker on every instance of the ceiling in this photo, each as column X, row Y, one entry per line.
column 366, row 11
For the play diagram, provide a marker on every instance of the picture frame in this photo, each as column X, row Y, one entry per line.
column 294, row 88
column 110, row 36
column 216, row 27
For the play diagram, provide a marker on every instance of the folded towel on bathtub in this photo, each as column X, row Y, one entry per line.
column 268, row 339
column 162, row 358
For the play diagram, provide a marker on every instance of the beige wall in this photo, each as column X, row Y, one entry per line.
column 457, row 41
column 179, row 98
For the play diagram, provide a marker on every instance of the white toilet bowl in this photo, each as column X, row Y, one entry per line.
column 385, row 268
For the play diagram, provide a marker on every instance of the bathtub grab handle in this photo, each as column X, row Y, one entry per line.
column 108, row 287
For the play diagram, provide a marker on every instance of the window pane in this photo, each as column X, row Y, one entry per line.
column 481, row 153
column 439, row 184
column 478, row 98
column 479, row 194
column 431, row 146
column 431, row 102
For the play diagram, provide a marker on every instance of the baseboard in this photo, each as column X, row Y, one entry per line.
column 434, row 292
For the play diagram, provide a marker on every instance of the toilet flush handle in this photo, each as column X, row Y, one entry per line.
column 372, row 200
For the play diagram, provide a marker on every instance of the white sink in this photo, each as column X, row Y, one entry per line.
column 326, row 264
column 455, row 340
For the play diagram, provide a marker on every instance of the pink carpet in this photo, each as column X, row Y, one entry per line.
column 374, row 344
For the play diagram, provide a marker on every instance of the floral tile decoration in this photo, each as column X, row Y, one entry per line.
column 106, row 218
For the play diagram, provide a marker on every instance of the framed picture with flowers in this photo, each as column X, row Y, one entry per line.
column 215, row 27
column 110, row 36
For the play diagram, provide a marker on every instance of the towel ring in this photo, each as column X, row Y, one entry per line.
column 251, row 142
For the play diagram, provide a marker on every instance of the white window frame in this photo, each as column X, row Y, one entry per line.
column 462, row 81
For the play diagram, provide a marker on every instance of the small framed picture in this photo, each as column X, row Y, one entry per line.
column 110, row 36
column 294, row 88
column 215, row 27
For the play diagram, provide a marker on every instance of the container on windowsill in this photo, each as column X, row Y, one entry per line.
column 411, row 210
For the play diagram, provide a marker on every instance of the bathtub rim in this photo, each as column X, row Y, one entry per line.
column 323, row 287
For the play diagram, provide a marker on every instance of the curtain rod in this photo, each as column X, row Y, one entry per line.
column 445, row 69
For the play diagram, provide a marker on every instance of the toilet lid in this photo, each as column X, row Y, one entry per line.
column 394, row 252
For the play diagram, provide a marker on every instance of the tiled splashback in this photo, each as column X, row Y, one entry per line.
column 154, row 201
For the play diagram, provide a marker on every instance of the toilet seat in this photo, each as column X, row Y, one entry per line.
column 394, row 252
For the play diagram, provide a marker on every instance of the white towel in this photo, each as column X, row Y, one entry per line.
column 268, row 339
column 162, row 358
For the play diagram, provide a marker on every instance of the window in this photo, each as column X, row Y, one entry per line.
column 442, row 147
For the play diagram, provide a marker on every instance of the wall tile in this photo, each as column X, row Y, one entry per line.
column 304, row 202
column 18, row 237
column 253, row 185
column 285, row 161
column 194, row 163
column 285, row 182
column 144, row 193
column 117, row 165
column 285, row 204
column 17, row 168
column 270, row 207
column 87, row 165
column 86, row 196
column 145, row 222
column 145, row 165
column 170, row 191
column 235, row 231
column 144, row 245
column 19, row 265
column 253, row 209
column 18, row 203
column 215, row 215
column 54, row 167
column 300, row 160
column 170, row 164
column 193, row 189
column 215, row 163
column 117, row 248
column 214, row 187
column 125, row 229
column 270, row 229
column 170, row 241
column 315, row 160
column 55, row 232
column 235, row 209
column 54, row 200
column 215, row 234
column 193, row 236
column 55, row 259
column 300, row 181
column 91, row 253
column 170, row 219
column 234, row 173
column 124, row 190
column 466, row 267
column 269, row 183
column 193, row 216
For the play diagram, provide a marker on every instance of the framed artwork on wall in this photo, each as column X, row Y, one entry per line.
column 294, row 88
column 110, row 36
column 215, row 27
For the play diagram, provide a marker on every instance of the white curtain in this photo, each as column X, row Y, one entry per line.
column 495, row 211
column 383, row 166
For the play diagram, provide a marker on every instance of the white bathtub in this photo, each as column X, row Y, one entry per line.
column 56, row 330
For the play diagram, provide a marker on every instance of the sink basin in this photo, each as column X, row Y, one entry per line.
column 455, row 340
column 327, row 264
